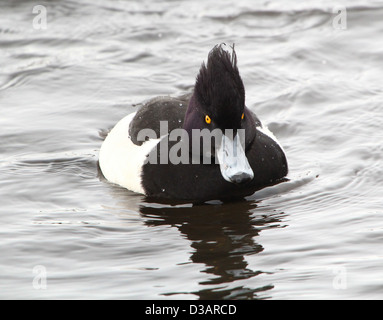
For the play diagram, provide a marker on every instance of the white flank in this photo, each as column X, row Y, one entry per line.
column 121, row 160
column 266, row 131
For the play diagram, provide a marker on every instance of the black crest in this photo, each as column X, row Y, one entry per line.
column 219, row 88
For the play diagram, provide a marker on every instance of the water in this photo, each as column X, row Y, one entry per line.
column 67, row 233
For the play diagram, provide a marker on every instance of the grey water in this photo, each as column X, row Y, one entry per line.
column 312, row 73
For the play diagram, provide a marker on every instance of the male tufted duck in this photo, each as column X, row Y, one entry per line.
column 157, row 150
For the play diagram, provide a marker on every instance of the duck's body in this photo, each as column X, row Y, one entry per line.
column 138, row 165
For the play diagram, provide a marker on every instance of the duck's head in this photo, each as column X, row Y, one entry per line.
column 218, row 105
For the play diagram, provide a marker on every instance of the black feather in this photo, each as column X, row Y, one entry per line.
column 219, row 88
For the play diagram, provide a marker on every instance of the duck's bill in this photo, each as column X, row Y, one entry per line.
column 232, row 160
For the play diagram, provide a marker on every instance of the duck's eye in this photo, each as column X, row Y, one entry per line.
column 207, row 119
column 243, row 116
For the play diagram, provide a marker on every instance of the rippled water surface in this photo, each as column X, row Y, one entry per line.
column 67, row 231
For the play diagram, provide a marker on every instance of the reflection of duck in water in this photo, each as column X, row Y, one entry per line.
column 238, row 166
column 221, row 236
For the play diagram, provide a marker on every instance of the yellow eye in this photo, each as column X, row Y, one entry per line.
column 243, row 116
column 207, row 119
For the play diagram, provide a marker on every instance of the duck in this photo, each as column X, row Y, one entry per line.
column 160, row 150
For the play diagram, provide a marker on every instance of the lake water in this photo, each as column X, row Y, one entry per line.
column 66, row 233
